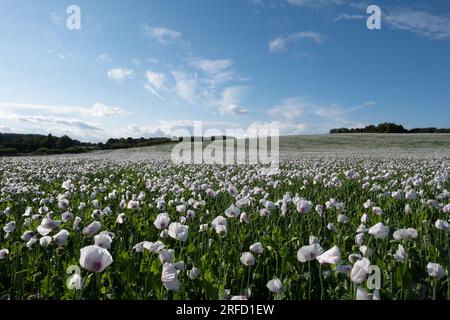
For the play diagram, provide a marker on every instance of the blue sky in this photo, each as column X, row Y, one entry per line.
column 146, row 68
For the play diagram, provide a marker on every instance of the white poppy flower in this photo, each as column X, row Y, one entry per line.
column 405, row 234
column 257, row 248
column 379, row 231
column 247, row 259
column 360, row 270
column 435, row 270
column 162, row 221
column 332, row 256
column 178, row 231
column 400, row 254
column 275, row 286
column 95, row 258
column 169, row 277
column 92, row 229
column 60, row 238
column 309, row 253
column 103, row 240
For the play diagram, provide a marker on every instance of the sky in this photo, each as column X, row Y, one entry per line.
column 147, row 68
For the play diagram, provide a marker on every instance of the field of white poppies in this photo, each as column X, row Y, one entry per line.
column 361, row 217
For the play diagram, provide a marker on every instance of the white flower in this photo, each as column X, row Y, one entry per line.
column 379, row 231
column 359, row 239
column 243, row 218
column 275, row 286
column 193, row 273
column 76, row 222
column 4, row 253
column 92, row 229
column 46, row 226
column 405, row 234
column 377, row 210
column 239, row 297
column 133, row 204
column 364, row 218
column 442, row 225
column 446, row 208
column 304, row 206
column 162, row 221
column 221, row 230
column 233, row 211
column 95, row 258
column 120, row 218
column 332, row 256
column 153, row 246
column 166, row 255
column 342, row 218
column 400, row 254
column 103, row 240
column 63, row 204
column 309, row 253
column 169, row 277
column 60, row 238
column 247, row 259
column 178, row 231
column 66, row 216
column 257, row 248
column 9, row 227
column 45, row 241
column 363, row 294
column 435, row 270
column 219, row 220
column 360, row 270
column 411, row 194
column 366, row 251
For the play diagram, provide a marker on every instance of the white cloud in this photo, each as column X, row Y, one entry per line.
column 420, row 22
column 103, row 111
column 163, row 35
column 289, row 108
column 155, row 83
column 4, row 129
column 283, row 127
column 104, row 57
column 231, row 98
column 280, row 43
column 56, row 17
column 186, row 86
column 136, row 61
column 62, row 121
column 120, row 74
column 347, row 16
column 97, row 110
column 317, row 3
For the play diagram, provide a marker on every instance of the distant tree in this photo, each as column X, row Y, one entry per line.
column 64, row 142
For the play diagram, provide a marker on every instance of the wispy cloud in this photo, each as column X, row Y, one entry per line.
column 156, row 83
column 96, row 110
column 163, row 35
column 316, row 4
column 288, row 108
column 120, row 74
column 104, row 57
column 347, row 16
column 281, row 43
column 63, row 121
column 420, row 22
column 186, row 86
column 231, row 100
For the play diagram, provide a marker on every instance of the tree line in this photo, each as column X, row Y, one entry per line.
column 388, row 128
column 12, row 144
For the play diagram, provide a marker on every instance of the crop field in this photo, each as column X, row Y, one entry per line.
column 344, row 217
